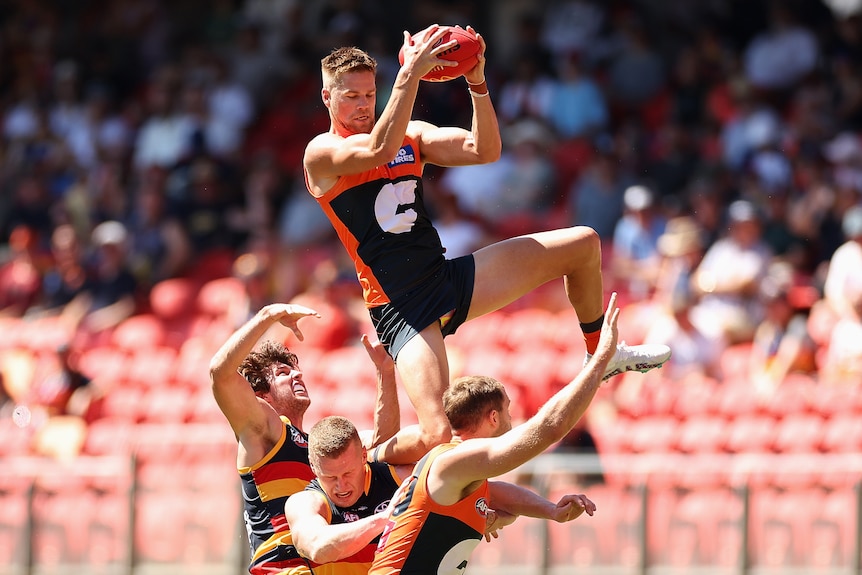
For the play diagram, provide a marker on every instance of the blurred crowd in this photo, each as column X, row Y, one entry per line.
column 716, row 146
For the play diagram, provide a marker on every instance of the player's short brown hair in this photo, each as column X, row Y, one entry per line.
column 469, row 398
column 256, row 367
column 330, row 437
column 347, row 59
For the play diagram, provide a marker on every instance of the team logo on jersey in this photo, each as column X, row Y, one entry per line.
column 297, row 438
column 482, row 506
column 404, row 156
column 393, row 207
column 382, row 506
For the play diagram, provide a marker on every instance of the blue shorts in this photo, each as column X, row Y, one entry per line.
column 450, row 290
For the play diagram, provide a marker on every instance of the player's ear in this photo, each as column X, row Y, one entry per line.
column 325, row 96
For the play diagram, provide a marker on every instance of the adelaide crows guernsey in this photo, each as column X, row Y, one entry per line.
column 265, row 488
column 381, row 219
column 425, row 537
column 380, row 484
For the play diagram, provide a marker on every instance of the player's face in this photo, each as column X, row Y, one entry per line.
column 287, row 392
column 343, row 477
column 504, row 416
column 352, row 102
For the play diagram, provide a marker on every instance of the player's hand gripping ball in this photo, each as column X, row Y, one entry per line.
column 465, row 52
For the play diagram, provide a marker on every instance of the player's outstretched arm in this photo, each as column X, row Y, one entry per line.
column 232, row 392
column 483, row 458
column 387, row 413
column 518, row 500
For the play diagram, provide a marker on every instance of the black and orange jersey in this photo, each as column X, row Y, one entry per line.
column 265, row 487
column 381, row 219
column 426, row 537
column 380, row 484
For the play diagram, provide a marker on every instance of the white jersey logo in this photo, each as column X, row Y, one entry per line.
column 390, row 207
column 456, row 559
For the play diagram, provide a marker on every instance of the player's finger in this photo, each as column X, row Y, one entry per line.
column 297, row 332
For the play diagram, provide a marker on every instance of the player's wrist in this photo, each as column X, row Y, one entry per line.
column 479, row 90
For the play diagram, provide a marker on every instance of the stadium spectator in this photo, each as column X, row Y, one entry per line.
column 727, row 279
column 20, row 273
column 635, row 240
column 844, row 275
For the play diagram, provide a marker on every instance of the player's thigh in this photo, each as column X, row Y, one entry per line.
column 511, row 268
column 424, row 371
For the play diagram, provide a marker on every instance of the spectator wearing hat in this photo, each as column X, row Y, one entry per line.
column 681, row 248
column 728, row 278
column 635, row 253
column 111, row 288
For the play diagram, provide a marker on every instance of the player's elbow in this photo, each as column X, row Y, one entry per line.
column 320, row 554
column 489, row 155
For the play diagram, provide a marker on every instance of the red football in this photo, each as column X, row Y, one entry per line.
column 464, row 52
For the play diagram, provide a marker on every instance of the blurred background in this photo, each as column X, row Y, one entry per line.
column 151, row 199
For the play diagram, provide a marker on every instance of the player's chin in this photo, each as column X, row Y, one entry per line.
column 363, row 125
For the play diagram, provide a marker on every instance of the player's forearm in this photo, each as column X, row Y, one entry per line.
column 391, row 127
column 387, row 412
column 343, row 540
column 560, row 414
column 485, row 128
column 518, row 500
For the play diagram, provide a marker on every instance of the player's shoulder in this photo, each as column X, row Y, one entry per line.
column 323, row 139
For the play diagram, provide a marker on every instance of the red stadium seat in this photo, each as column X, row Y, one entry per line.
column 123, row 402
column 799, row 433
column 110, row 436
column 173, row 299
column 13, row 502
column 738, row 398
column 654, row 434
column 105, row 362
column 706, row 434
column 167, row 404
column 138, row 332
column 153, row 367
column 694, row 400
column 608, row 537
column 751, row 433
column 835, row 400
column 842, row 434
column 780, row 525
column 218, row 296
column 705, row 529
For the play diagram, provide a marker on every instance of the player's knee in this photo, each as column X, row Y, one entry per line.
column 587, row 244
